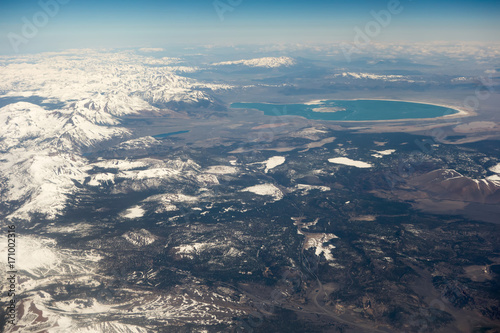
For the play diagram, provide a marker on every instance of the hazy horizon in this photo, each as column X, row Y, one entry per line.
column 54, row 25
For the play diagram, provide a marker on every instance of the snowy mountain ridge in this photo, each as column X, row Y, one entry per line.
column 40, row 147
column 266, row 62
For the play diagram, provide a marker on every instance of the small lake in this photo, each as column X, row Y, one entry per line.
column 164, row 135
column 352, row 110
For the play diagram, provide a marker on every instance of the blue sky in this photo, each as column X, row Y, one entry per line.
column 148, row 23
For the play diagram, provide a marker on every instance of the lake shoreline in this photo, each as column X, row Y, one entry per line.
column 460, row 112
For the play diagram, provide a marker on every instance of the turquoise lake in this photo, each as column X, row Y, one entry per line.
column 352, row 110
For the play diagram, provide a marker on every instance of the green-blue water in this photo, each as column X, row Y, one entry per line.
column 355, row 110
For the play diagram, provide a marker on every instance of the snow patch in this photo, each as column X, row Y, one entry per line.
column 41, row 257
column 349, row 162
column 385, row 152
column 140, row 237
column 166, row 201
column 317, row 241
column 110, row 326
column 36, row 254
column 222, row 170
column 87, row 306
column 273, row 162
column 496, row 168
column 134, row 212
column 307, row 188
column 265, row 189
column 190, row 250
column 382, row 153
column 495, row 178
column 102, row 178
column 122, row 164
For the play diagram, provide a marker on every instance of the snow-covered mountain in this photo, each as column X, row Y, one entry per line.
column 41, row 148
column 266, row 62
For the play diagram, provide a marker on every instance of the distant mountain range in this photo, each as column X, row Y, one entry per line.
column 267, row 62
